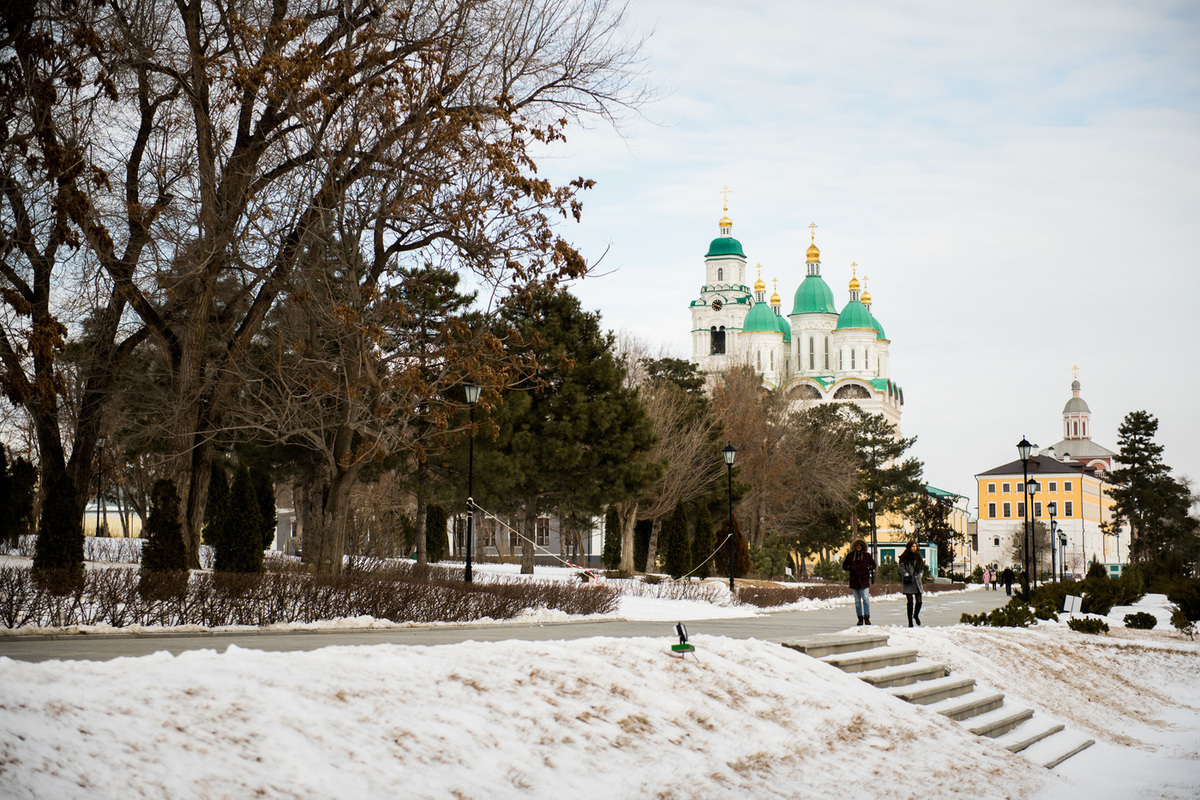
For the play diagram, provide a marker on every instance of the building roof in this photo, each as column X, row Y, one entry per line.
column 1076, row 405
column 1038, row 466
column 855, row 315
column 724, row 246
column 941, row 493
column 1079, row 448
column 761, row 318
column 814, row 296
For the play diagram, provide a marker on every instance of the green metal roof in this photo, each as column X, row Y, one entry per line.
column 880, row 384
column 760, row 318
column 725, row 246
column 855, row 315
column 814, row 297
column 936, row 492
column 875, row 324
column 783, row 325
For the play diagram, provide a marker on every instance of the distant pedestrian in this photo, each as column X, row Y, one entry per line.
column 912, row 567
column 861, row 566
column 987, row 578
column 1006, row 578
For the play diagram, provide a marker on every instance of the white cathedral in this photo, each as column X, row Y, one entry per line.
column 816, row 353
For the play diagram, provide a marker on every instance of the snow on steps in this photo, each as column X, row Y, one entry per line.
column 983, row 711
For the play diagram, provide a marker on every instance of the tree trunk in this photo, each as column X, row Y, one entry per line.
column 627, row 513
column 652, row 553
column 530, row 529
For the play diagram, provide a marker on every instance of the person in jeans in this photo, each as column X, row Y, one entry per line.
column 861, row 566
column 912, row 567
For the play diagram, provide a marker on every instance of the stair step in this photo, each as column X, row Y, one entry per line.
column 827, row 644
column 872, row 659
column 998, row 722
column 1028, row 734
column 904, row 675
column 927, row 692
column 968, row 705
column 1054, row 750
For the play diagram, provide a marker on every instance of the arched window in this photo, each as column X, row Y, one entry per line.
column 812, row 358
column 1085, row 428
column 717, row 344
column 852, row 358
column 826, row 352
column 809, row 392
column 866, row 358
column 772, row 360
column 851, row 391
column 720, row 274
column 1076, row 428
column 758, row 359
column 840, row 360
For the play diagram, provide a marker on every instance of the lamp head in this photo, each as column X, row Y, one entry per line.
column 472, row 392
column 729, row 453
column 1024, row 448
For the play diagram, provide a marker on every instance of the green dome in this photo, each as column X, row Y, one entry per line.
column 784, row 326
column 875, row 324
column 725, row 246
column 855, row 315
column 760, row 318
column 814, row 297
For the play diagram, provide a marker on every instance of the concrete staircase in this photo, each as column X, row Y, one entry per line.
column 901, row 672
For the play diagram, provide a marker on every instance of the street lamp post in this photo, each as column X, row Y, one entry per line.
column 1062, row 540
column 1024, row 448
column 1052, row 507
column 729, row 453
column 99, row 479
column 472, row 392
column 1033, row 487
column 871, row 510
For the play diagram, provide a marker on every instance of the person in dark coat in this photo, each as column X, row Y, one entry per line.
column 912, row 568
column 1006, row 578
column 861, row 566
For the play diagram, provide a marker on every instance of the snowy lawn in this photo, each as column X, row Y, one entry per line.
column 596, row 718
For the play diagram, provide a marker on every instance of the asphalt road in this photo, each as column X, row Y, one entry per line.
column 939, row 609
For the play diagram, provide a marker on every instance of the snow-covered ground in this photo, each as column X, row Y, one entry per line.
column 597, row 718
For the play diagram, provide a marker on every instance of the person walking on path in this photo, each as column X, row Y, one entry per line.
column 912, row 567
column 1006, row 578
column 987, row 578
column 861, row 566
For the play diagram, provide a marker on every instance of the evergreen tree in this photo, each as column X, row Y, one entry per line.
column 741, row 552
column 676, row 553
column 163, row 550
column 704, row 542
column 571, row 434
column 437, row 542
column 611, row 557
column 1155, row 504
column 932, row 517
column 240, row 548
column 264, row 490
column 58, row 554
column 216, row 509
column 23, row 491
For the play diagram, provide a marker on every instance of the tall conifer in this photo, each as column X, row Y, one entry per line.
column 241, row 540
column 436, row 541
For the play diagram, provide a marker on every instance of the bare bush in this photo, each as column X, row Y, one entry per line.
column 120, row 597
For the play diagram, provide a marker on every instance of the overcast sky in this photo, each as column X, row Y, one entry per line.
column 1018, row 181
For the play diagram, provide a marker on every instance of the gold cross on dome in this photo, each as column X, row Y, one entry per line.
column 725, row 190
column 853, row 269
column 1076, row 368
column 775, row 284
column 812, row 229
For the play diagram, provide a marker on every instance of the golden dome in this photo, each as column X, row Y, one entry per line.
column 759, row 286
column 866, row 298
column 813, row 254
column 854, row 284
column 776, row 299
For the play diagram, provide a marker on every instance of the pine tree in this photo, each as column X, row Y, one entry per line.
column 1155, row 504
column 264, row 490
column 163, row 550
column 23, row 491
column 240, row 548
column 611, row 557
column 704, row 542
column 216, row 510
column 741, row 552
column 58, row 554
column 437, row 542
column 676, row 553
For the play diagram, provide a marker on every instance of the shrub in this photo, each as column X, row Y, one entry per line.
column 163, row 548
column 1140, row 621
column 436, row 537
column 58, row 558
column 674, row 548
column 771, row 560
column 977, row 574
column 1087, row 625
column 1182, row 624
column 704, row 542
column 830, row 570
column 611, row 556
column 1185, row 594
column 1016, row 614
column 264, row 492
column 240, row 549
column 888, row 573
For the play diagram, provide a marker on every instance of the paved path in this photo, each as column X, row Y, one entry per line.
column 940, row 609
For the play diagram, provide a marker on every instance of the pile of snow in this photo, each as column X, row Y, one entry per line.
column 595, row 718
